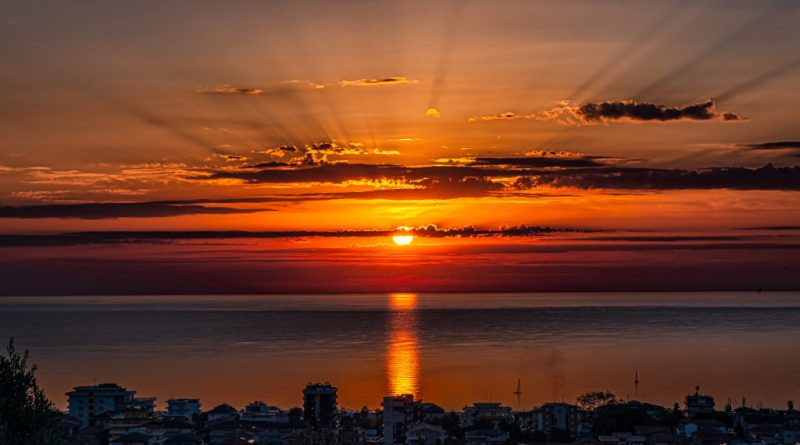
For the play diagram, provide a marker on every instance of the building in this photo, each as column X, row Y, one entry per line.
column 552, row 416
column 492, row 412
column 424, row 434
column 430, row 412
column 86, row 402
column 183, row 407
column 486, row 436
column 131, row 439
column 688, row 428
column 398, row 414
column 699, row 403
column 129, row 419
column 790, row 430
column 183, row 439
column 319, row 405
column 223, row 412
column 622, row 439
column 262, row 413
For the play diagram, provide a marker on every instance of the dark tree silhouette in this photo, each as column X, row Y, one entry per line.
column 590, row 401
column 27, row 417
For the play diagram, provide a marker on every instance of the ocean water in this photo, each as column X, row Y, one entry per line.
column 452, row 349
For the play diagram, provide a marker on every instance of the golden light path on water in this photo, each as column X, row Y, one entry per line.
column 402, row 355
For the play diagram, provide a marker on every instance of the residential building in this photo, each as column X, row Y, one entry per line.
column 183, row 439
column 319, row 405
column 398, row 414
column 430, row 412
column 622, row 439
column 561, row 416
column 492, row 412
column 86, row 402
column 183, row 407
column 688, row 428
column 699, row 403
column 131, row 439
column 222, row 412
column 420, row 433
column 485, row 436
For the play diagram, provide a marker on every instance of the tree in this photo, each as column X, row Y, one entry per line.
column 592, row 400
column 27, row 417
column 295, row 416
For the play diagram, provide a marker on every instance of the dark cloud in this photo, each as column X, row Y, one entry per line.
column 486, row 174
column 773, row 228
column 640, row 111
column 625, row 110
column 738, row 178
column 227, row 89
column 105, row 210
column 541, row 161
column 114, row 237
column 270, row 164
column 777, row 145
column 393, row 80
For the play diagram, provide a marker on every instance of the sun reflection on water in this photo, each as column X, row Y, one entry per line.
column 402, row 354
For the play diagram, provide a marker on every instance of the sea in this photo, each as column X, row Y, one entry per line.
column 450, row 349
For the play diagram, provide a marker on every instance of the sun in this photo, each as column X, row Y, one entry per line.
column 402, row 240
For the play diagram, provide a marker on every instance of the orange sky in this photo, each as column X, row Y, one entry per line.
column 318, row 116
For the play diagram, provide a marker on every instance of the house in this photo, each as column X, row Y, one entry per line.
column 183, row 439
column 698, row 403
column 492, row 412
column 650, row 433
column 430, row 412
column 131, row 439
column 87, row 402
column 223, row 412
column 421, row 433
column 622, row 439
column 790, row 430
column 398, row 414
column 485, row 436
column 769, row 434
column 183, row 407
column 689, row 428
column 552, row 416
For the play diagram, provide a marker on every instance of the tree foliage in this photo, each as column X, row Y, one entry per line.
column 592, row 400
column 27, row 417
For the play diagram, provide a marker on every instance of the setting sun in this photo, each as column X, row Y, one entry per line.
column 402, row 240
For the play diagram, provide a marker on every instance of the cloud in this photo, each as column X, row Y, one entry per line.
column 737, row 178
column 541, row 161
column 227, row 89
column 393, row 80
column 108, row 210
column 530, row 172
column 626, row 110
column 632, row 110
column 231, row 158
column 433, row 112
column 777, row 145
column 296, row 85
column 427, row 231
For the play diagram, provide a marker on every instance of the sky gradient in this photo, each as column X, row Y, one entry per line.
column 624, row 145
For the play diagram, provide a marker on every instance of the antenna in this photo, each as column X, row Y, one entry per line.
column 636, row 385
column 518, row 393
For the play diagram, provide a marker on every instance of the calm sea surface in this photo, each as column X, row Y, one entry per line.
column 452, row 349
